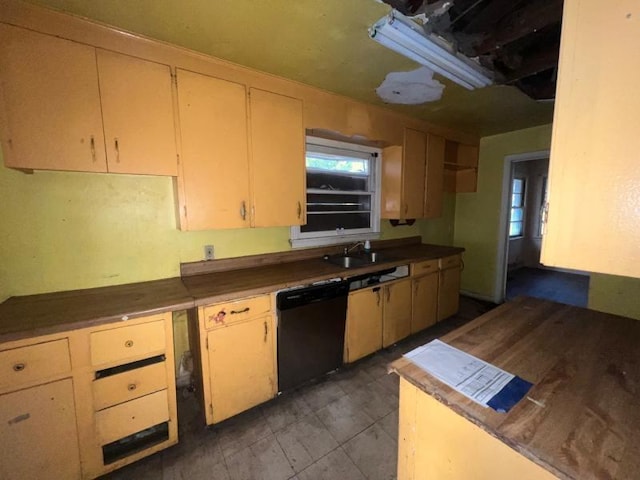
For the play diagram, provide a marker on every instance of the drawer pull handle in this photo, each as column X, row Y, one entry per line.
column 18, row 367
column 131, row 387
column 244, row 310
column 128, row 343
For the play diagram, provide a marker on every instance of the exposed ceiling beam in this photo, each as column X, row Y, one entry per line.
column 488, row 16
column 524, row 21
column 535, row 63
column 406, row 7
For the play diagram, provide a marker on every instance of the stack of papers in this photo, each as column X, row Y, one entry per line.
column 476, row 379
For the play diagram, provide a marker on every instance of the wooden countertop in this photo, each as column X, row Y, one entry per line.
column 581, row 419
column 219, row 286
column 33, row 315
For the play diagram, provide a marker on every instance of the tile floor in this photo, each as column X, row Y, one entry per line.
column 342, row 427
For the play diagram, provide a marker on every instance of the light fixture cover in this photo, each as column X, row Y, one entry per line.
column 402, row 35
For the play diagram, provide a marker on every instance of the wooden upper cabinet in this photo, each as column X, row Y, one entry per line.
column 594, row 171
column 137, row 110
column 52, row 103
column 215, row 161
column 413, row 173
column 277, row 159
column 412, row 177
column 434, row 181
column 461, row 167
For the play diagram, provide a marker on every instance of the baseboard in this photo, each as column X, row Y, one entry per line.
column 478, row 296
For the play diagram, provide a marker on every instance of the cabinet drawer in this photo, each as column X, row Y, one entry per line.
column 426, row 266
column 124, row 343
column 126, row 386
column 127, row 418
column 24, row 365
column 450, row 262
column 221, row 314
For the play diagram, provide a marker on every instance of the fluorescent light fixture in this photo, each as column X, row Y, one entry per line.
column 405, row 37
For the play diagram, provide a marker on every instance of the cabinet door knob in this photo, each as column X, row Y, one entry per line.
column 299, row 209
column 128, row 343
column 117, row 146
column 18, row 367
column 92, row 142
column 131, row 387
column 243, row 210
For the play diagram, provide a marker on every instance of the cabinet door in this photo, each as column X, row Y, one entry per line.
column 33, row 423
column 413, row 173
column 434, row 182
column 397, row 312
column 137, row 110
column 215, row 161
column 241, row 366
column 594, row 175
column 277, row 160
column 364, row 323
column 425, row 302
column 52, row 101
column 448, row 292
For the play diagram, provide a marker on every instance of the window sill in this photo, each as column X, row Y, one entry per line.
column 332, row 240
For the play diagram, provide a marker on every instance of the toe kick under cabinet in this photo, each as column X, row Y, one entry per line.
column 82, row 403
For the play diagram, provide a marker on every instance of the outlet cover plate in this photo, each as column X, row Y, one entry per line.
column 208, row 252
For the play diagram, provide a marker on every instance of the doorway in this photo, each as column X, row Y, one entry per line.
column 524, row 197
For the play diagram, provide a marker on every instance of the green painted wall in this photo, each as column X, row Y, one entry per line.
column 614, row 294
column 64, row 231
column 477, row 214
column 477, row 227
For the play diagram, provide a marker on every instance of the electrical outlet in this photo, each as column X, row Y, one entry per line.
column 208, row 252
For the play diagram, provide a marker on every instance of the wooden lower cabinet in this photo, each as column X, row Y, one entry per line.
column 82, row 403
column 364, row 323
column 377, row 317
column 396, row 318
column 448, row 292
column 235, row 346
column 39, row 434
column 424, row 301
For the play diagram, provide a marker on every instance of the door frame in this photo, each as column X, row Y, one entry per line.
column 503, row 228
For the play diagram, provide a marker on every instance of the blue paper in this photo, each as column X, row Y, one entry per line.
column 510, row 394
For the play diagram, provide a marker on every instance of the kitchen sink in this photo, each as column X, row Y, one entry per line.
column 352, row 261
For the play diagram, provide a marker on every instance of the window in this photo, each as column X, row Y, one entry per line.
column 342, row 194
column 516, row 221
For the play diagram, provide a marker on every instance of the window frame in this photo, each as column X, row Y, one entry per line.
column 332, row 237
column 521, row 207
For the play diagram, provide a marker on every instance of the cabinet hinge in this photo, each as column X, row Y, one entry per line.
column 211, row 408
column 174, row 78
column 178, row 158
column 184, row 210
column 207, row 343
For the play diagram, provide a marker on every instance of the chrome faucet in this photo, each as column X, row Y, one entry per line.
column 355, row 245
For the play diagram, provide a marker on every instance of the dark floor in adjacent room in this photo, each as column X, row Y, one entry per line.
column 569, row 288
column 343, row 427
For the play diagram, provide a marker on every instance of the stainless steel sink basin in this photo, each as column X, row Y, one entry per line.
column 347, row 261
column 352, row 261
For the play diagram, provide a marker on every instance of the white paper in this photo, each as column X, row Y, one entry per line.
column 474, row 378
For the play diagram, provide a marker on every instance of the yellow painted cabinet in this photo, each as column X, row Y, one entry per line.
column 34, row 424
column 425, row 302
column 364, row 323
column 137, row 110
column 61, row 98
column 412, row 177
column 396, row 319
column 434, row 182
column 51, row 103
column 594, row 175
column 277, row 159
column 448, row 292
column 215, row 157
column 241, row 365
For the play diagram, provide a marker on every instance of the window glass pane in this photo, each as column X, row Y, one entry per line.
column 516, row 200
column 515, row 229
column 323, row 180
column 318, row 202
column 337, row 164
column 516, row 214
column 332, row 221
column 518, row 185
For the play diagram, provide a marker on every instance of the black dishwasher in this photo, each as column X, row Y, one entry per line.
column 311, row 322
